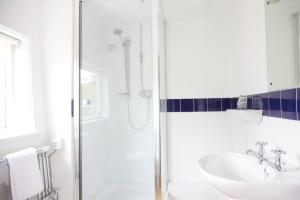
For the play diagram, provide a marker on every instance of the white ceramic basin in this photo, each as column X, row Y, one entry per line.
column 240, row 176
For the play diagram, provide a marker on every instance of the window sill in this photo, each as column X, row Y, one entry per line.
column 5, row 135
column 92, row 120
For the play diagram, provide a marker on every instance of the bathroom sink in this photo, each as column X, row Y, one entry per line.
column 240, row 176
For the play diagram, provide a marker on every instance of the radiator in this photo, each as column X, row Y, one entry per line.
column 48, row 193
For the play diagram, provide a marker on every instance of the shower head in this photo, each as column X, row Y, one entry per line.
column 118, row 31
column 272, row 2
column 125, row 41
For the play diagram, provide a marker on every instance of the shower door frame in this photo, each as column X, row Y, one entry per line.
column 76, row 101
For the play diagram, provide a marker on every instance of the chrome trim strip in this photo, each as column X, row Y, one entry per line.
column 79, row 102
column 76, row 99
column 156, row 99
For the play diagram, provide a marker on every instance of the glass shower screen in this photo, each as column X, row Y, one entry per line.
column 120, row 103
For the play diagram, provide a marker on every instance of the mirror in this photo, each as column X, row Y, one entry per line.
column 282, row 27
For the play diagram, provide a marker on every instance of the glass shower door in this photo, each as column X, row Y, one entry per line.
column 123, row 141
column 117, row 140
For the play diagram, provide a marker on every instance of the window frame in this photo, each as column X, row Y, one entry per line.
column 8, row 45
column 18, row 43
column 3, row 76
column 101, row 95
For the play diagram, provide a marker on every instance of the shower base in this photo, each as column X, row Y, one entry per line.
column 126, row 192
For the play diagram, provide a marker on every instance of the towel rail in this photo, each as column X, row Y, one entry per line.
column 43, row 155
column 51, row 149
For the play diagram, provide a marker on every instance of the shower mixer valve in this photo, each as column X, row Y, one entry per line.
column 146, row 93
column 127, row 94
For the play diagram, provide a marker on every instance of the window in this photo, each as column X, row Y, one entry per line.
column 94, row 93
column 16, row 104
column 3, row 63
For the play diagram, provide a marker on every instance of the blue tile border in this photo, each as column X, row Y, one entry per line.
column 266, row 104
column 214, row 104
column 288, row 104
column 298, row 103
column 249, row 102
column 200, row 105
column 233, row 103
column 275, row 105
column 283, row 104
column 173, row 105
column 187, row 105
column 225, row 104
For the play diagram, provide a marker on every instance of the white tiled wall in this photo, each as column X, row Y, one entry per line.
column 277, row 132
column 113, row 152
column 192, row 135
column 218, row 57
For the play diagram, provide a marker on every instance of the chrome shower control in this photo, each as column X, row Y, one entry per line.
column 146, row 93
column 242, row 103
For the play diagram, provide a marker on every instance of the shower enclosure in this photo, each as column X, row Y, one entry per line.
column 121, row 137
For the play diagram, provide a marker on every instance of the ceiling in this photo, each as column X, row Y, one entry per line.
column 197, row 9
column 118, row 10
column 174, row 10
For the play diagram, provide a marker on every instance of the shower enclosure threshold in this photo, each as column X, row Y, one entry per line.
column 126, row 192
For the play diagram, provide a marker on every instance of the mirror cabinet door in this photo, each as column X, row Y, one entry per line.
column 282, row 27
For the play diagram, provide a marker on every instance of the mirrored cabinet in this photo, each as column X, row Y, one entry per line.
column 282, row 28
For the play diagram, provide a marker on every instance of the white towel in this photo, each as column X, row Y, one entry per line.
column 4, row 174
column 25, row 176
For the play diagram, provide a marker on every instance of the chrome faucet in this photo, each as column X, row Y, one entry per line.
column 261, row 151
column 278, row 164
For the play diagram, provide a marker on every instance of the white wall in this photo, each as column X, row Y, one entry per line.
column 218, row 56
column 277, row 132
column 58, row 63
column 30, row 23
column 194, row 67
column 214, row 56
column 49, row 24
column 211, row 56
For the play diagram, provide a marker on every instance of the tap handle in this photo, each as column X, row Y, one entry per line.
column 261, row 150
column 278, row 151
column 261, row 143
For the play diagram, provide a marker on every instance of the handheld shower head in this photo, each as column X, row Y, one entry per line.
column 272, row 2
column 117, row 31
column 125, row 41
